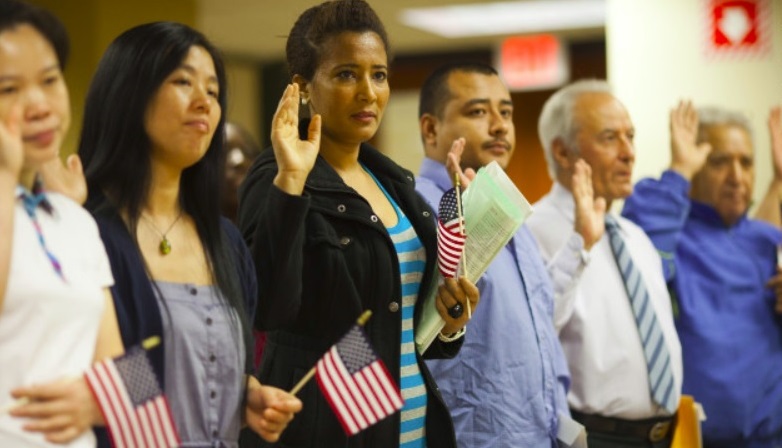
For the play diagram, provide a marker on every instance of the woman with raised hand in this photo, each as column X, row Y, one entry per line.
column 151, row 145
column 56, row 311
column 336, row 228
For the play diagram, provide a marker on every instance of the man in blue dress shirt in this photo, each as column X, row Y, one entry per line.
column 508, row 385
column 721, row 268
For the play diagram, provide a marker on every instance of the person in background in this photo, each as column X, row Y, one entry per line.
column 151, row 144
column 507, row 386
column 617, row 328
column 721, row 267
column 337, row 228
column 56, row 312
column 240, row 152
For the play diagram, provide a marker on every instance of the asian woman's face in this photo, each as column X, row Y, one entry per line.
column 31, row 79
column 183, row 115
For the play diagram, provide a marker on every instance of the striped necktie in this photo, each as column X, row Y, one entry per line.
column 658, row 360
column 32, row 202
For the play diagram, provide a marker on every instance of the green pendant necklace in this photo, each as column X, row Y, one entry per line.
column 165, row 245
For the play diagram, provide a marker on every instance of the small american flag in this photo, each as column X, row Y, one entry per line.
column 450, row 235
column 356, row 383
column 128, row 393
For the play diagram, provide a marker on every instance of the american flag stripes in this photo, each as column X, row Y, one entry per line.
column 450, row 235
column 356, row 383
column 136, row 411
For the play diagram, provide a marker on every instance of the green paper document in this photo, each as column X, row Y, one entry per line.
column 494, row 209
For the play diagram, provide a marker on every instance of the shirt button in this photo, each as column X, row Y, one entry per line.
column 209, row 321
column 212, row 394
column 345, row 240
column 373, row 218
column 393, row 307
column 426, row 214
column 215, row 434
column 341, row 208
column 212, row 358
column 193, row 291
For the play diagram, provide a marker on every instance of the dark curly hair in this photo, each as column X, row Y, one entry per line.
column 315, row 25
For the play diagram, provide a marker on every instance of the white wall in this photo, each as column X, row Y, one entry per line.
column 655, row 51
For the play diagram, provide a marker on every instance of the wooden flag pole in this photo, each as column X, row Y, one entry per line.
column 361, row 321
column 458, row 185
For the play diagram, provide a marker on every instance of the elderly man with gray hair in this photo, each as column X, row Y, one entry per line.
column 616, row 327
column 722, row 270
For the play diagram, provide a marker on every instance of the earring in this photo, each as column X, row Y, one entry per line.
column 304, row 100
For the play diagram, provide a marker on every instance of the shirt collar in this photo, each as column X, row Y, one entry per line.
column 707, row 213
column 38, row 195
column 436, row 172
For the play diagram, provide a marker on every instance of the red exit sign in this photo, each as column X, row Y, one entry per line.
column 532, row 62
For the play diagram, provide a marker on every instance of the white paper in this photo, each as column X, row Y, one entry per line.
column 494, row 209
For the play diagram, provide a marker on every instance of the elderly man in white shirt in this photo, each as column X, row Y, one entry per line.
column 616, row 326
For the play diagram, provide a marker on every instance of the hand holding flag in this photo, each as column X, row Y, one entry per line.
column 133, row 405
column 355, row 382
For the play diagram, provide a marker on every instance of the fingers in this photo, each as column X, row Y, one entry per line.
column 451, row 293
column 11, row 147
column 288, row 107
column 73, row 162
column 276, row 409
column 685, row 115
column 42, row 392
column 313, row 131
column 453, row 162
column 582, row 181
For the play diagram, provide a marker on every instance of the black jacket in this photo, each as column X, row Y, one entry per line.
column 322, row 259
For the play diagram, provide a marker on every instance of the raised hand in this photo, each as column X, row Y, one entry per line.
column 295, row 157
column 589, row 211
column 269, row 410
column 61, row 410
column 775, row 129
column 11, row 146
column 687, row 157
column 67, row 179
column 453, row 163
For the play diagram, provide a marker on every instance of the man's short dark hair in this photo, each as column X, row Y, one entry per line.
column 435, row 92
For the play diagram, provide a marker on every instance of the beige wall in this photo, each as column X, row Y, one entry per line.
column 92, row 25
column 656, row 56
column 244, row 96
column 399, row 137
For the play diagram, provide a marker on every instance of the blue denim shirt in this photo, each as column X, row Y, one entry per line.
column 731, row 338
column 508, row 383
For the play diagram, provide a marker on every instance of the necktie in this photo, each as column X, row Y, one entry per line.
column 658, row 360
column 31, row 202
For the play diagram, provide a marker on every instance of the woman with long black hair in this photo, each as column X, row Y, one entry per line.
column 151, row 145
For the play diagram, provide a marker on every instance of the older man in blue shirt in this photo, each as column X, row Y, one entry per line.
column 722, row 270
column 508, row 385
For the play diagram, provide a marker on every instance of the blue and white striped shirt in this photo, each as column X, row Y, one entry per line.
column 412, row 262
